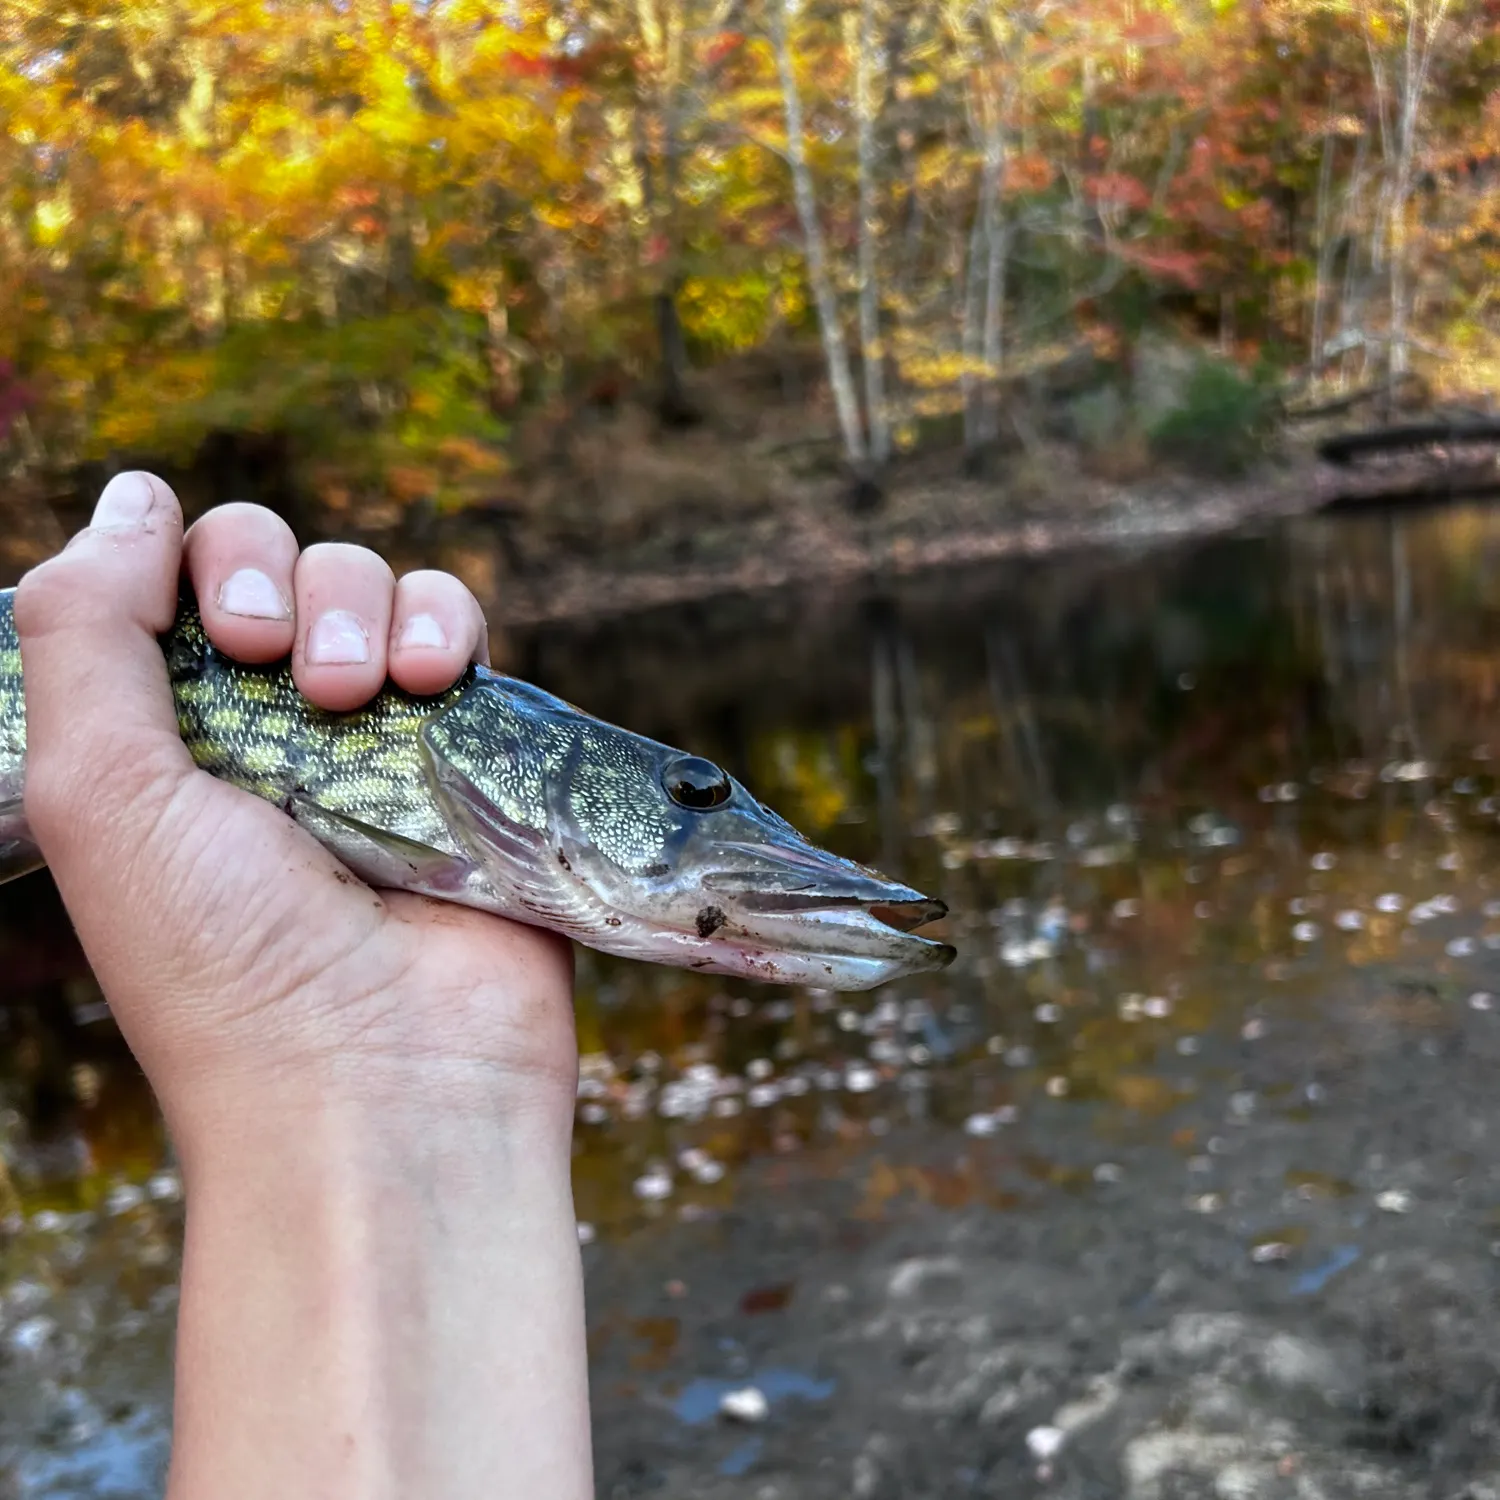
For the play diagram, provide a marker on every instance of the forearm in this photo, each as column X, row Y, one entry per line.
column 382, row 1302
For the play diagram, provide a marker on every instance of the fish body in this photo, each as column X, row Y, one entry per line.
column 499, row 796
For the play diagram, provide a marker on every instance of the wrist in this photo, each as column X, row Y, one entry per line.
column 417, row 1120
column 409, row 1063
column 409, row 1268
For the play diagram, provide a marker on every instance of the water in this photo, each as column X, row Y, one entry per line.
column 1191, row 809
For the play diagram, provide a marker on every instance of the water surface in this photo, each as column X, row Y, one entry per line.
column 1174, row 800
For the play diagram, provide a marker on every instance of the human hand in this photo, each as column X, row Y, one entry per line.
column 371, row 1093
column 234, row 949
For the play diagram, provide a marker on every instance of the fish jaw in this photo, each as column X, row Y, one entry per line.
column 831, row 922
column 825, row 923
column 768, row 962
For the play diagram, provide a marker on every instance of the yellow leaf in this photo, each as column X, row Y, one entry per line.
column 53, row 215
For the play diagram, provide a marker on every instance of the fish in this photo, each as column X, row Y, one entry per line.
column 499, row 796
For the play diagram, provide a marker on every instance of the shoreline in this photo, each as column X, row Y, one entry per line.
column 812, row 551
column 932, row 522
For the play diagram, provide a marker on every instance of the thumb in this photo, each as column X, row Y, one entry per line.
column 103, row 755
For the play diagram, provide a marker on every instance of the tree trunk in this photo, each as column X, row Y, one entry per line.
column 1350, row 300
column 871, row 349
column 1323, row 229
column 1345, row 447
column 660, row 30
column 1399, row 137
column 970, row 343
column 835, row 351
column 997, row 237
column 675, row 406
column 1400, row 194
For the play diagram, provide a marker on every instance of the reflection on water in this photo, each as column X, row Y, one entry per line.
column 1173, row 801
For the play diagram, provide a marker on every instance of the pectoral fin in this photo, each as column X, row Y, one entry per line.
column 383, row 859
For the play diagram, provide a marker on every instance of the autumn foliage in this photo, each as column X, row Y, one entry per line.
column 380, row 231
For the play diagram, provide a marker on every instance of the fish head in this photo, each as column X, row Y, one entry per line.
column 637, row 848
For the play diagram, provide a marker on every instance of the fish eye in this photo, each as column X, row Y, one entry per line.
column 696, row 783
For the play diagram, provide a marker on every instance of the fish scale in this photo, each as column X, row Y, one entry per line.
column 251, row 727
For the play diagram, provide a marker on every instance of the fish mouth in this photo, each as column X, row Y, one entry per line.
column 803, row 899
column 904, row 913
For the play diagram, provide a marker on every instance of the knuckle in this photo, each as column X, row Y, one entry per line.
column 56, row 595
column 99, row 582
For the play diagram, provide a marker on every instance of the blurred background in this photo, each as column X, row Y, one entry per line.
column 1042, row 449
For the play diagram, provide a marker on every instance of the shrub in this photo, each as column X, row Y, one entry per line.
column 1222, row 422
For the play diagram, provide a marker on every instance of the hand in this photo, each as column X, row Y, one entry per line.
column 234, row 950
column 371, row 1093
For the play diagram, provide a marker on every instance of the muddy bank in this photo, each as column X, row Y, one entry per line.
column 529, row 565
column 1289, row 1293
column 927, row 525
column 526, row 572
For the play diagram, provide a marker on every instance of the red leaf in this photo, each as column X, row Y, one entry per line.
column 722, row 46
column 524, row 66
column 1028, row 172
column 1118, row 187
column 1171, row 265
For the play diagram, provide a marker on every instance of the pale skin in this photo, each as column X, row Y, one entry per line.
column 371, row 1094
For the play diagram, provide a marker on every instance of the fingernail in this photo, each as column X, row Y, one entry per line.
column 337, row 639
column 423, row 630
column 250, row 593
column 126, row 501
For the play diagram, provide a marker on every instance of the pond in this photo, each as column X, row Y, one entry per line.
column 1218, row 828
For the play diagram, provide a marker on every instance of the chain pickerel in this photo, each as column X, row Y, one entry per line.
column 500, row 796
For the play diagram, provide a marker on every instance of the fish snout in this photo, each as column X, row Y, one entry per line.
column 831, row 899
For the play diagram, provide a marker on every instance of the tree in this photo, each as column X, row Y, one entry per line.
column 819, row 271
column 370, row 234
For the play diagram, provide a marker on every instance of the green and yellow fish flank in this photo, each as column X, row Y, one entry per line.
column 500, row 796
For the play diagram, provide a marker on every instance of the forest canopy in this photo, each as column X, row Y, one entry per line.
column 382, row 231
